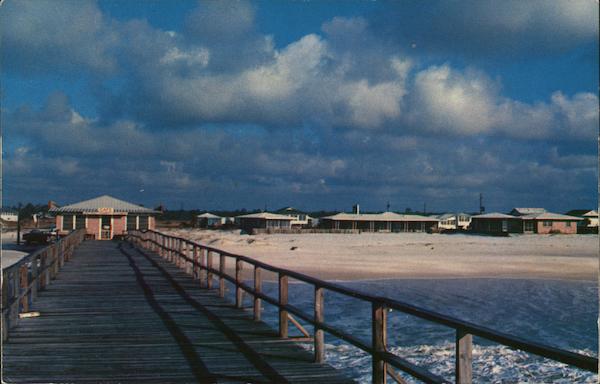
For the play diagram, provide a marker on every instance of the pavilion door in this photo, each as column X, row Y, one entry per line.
column 105, row 228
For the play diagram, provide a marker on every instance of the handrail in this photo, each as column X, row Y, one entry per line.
column 197, row 258
column 22, row 280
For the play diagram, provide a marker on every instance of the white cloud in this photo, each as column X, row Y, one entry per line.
column 449, row 101
column 468, row 103
column 37, row 34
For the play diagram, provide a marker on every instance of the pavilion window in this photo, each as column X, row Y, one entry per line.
column 79, row 222
column 143, row 222
column 131, row 222
column 67, row 223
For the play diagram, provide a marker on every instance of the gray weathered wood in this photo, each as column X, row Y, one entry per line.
column 379, row 339
column 464, row 357
column 319, row 342
column 222, row 264
column 258, row 289
column 209, row 274
column 283, row 300
column 239, row 292
column 113, row 330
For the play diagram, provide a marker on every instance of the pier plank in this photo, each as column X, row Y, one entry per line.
column 114, row 314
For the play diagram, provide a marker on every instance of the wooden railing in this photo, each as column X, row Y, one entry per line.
column 197, row 260
column 22, row 280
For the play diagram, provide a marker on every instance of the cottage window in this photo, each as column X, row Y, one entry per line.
column 529, row 226
column 568, row 223
column 547, row 223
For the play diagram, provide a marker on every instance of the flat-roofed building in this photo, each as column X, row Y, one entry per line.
column 380, row 222
column 263, row 220
column 103, row 217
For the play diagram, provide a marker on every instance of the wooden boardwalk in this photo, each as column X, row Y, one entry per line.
column 116, row 315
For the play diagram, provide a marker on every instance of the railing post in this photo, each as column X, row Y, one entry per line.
column 61, row 254
column 203, row 271
column 178, row 253
column 46, row 270
column 14, row 308
column 195, row 265
column 464, row 357
column 283, row 300
column 209, row 274
column 222, row 262
column 5, row 312
column 23, row 283
column 189, row 253
column 239, row 292
column 319, row 318
column 378, row 321
column 258, row 289
column 54, row 261
column 34, row 278
column 170, row 249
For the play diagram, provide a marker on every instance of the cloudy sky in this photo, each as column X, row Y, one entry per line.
column 317, row 105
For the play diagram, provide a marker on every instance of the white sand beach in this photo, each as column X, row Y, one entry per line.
column 414, row 255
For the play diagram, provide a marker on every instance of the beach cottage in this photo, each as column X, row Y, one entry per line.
column 300, row 219
column 496, row 223
column 589, row 224
column 380, row 222
column 103, row 218
column 548, row 222
column 263, row 220
column 7, row 214
column 454, row 221
column 209, row 220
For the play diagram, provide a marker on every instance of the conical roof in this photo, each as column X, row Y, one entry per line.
column 103, row 202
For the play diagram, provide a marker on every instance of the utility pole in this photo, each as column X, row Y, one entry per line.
column 481, row 207
column 387, row 207
column 424, row 208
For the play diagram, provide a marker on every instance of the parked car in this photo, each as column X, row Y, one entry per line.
column 36, row 236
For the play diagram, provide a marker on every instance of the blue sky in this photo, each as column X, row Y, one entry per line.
column 318, row 105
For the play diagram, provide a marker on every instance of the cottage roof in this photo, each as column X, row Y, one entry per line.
column 289, row 211
column 385, row 216
column 526, row 211
column 551, row 216
column 582, row 213
column 494, row 215
column 105, row 201
column 208, row 215
column 265, row 215
column 8, row 211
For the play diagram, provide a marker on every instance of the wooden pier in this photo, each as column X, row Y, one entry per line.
column 152, row 309
column 114, row 314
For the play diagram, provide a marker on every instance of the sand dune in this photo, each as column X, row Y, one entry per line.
column 415, row 255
